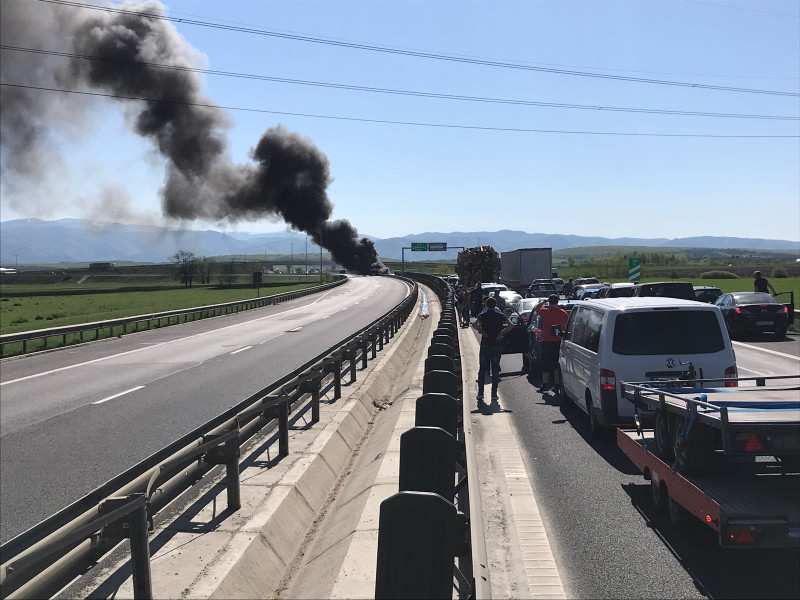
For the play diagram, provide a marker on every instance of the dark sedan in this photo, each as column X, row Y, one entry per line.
column 753, row 312
column 584, row 292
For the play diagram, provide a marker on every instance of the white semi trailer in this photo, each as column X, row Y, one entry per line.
column 518, row 268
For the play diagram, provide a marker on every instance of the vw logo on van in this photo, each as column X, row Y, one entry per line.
column 670, row 362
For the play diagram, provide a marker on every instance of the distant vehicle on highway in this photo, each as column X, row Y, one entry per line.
column 585, row 281
column 682, row 290
column 638, row 339
column 753, row 312
column 615, row 290
column 559, row 283
column 707, row 293
column 584, row 292
column 509, row 299
column 541, row 290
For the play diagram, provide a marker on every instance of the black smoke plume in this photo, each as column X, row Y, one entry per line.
column 288, row 179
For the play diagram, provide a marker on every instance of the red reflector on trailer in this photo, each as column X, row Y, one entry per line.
column 708, row 519
column 745, row 537
column 753, row 445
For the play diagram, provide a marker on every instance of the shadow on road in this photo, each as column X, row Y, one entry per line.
column 716, row 572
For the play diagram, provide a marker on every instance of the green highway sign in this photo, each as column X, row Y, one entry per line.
column 419, row 246
column 634, row 269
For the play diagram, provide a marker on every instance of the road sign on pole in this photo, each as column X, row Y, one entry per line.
column 419, row 246
column 634, row 269
column 437, row 246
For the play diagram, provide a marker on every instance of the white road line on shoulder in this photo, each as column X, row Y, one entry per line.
column 756, row 373
column 241, row 350
column 138, row 387
column 295, row 329
column 272, row 338
column 188, row 337
column 792, row 356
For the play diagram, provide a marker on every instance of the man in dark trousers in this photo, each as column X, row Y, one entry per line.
column 492, row 324
column 551, row 344
column 760, row 284
column 476, row 297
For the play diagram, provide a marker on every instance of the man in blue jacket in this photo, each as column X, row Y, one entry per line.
column 492, row 324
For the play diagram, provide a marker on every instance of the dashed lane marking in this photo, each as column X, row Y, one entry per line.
column 118, row 395
column 241, row 350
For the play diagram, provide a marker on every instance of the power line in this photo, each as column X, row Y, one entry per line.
column 390, row 91
column 519, row 61
column 394, row 122
column 419, row 54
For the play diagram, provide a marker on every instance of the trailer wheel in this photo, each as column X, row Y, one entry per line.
column 678, row 516
column 696, row 451
column 661, row 433
column 659, row 492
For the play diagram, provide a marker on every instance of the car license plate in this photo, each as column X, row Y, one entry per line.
column 763, row 322
column 794, row 532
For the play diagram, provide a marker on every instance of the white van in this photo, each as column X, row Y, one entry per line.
column 610, row 340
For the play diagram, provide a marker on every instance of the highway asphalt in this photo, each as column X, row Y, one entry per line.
column 608, row 540
column 74, row 418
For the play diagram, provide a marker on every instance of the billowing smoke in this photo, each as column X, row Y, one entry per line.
column 289, row 175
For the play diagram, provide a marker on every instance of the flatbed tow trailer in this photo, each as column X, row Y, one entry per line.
column 734, row 460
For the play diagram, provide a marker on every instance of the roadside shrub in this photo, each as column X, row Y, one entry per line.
column 718, row 275
column 17, row 304
column 3, row 299
column 52, row 316
column 38, row 318
column 19, row 321
column 779, row 272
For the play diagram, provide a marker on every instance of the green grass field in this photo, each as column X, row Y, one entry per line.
column 27, row 307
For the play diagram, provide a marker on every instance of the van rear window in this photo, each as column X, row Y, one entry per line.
column 668, row 332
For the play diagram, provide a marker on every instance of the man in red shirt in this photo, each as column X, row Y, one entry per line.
column 551, row 315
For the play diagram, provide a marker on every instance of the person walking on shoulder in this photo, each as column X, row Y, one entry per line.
column 476, row 297
column 551, row 315
column 492, row 324
column 760, row 284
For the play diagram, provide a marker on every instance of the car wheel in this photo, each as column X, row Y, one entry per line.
column 780, row 334
column 526, row 363
column 662, row 436
column 595, row 427
column 562, row 391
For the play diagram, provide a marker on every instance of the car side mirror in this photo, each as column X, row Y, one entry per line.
column 555, row 330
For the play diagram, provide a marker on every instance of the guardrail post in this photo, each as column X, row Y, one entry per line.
column 428, row 461
column 232, row 474
column 364, row 343
column 283, row 425
column 416, row 546
column 350, row 355
column 140, row 554
column 435, row 409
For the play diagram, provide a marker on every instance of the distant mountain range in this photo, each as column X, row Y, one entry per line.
column 79, row 240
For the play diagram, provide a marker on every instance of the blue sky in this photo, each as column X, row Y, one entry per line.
column 392, row 180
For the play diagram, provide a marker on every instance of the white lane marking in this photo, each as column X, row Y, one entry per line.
column 756, row 373
column 295, row 329
column 272, row 338
column 96, row 360
column 118, row 395
column 792, row 356
column 241, row 350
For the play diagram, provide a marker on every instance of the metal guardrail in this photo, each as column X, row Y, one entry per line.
column 41, row 561
column 188, row 314
column 428, row 542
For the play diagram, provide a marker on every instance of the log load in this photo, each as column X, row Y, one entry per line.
column 478, row 264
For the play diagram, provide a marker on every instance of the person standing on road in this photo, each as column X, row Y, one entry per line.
column 465, row 304
column 760, row 284
column 476, row 297
column 566, row 289
column 492, row 324
column 551, row 315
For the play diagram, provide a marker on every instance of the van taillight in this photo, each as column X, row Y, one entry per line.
column 608, row 380
column 731, row 373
